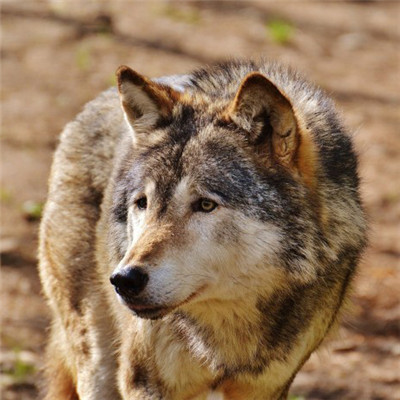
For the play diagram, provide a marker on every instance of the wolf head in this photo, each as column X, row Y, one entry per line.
column 212, row 199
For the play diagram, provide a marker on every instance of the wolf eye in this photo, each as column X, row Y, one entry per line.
column 205, row 205
column 141, row 203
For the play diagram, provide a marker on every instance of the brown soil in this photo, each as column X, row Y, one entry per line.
column 56, row 55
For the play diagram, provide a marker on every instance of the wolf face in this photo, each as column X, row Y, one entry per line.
column 206, row 202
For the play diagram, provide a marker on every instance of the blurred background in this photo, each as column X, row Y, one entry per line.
column 57, row 55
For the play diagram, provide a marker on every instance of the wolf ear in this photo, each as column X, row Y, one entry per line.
column 262, row 110
column 144, row 101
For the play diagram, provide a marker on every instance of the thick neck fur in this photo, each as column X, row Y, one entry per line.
column 206, row 346
column 214, row 346
column 219, row 334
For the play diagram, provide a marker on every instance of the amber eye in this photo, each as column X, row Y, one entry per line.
column 206, row 205
column 141, row 203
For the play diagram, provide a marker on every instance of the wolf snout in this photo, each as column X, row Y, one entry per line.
column 129, row 281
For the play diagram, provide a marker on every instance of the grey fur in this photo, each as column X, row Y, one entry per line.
column 320, row 228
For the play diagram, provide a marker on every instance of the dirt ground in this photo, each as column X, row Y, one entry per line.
column 57, row 55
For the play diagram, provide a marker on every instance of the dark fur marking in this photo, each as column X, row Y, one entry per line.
column 144, row 381
column 286, row 315
column 140, row 376
column 120, row 207
column 266, row 132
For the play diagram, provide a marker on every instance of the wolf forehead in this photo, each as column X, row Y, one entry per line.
column 214, row 159
column 232, row 131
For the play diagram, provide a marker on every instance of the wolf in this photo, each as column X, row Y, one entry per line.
column 200, row 236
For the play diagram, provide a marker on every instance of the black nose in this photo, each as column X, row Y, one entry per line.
column 129, row 281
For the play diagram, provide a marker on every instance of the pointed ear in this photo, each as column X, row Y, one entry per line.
column 143, row 101
column 262, row 110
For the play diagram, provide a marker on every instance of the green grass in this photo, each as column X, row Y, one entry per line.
column 32, row 210
column 112, row 80
column 5, row 196
column 83, row 58
column 280, row 31
column 391, row 198
column 21, row 369
column 186, row 15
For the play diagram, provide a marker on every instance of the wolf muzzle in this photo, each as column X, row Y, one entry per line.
column 129, row 281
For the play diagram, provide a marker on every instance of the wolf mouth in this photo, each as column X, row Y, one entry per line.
column 148, row 312
column 156, row 312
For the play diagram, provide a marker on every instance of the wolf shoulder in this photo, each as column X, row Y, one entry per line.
column 88, row 144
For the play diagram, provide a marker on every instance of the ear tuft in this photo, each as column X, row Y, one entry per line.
column 127, row 74
column 259, row 103
column 143, row 101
